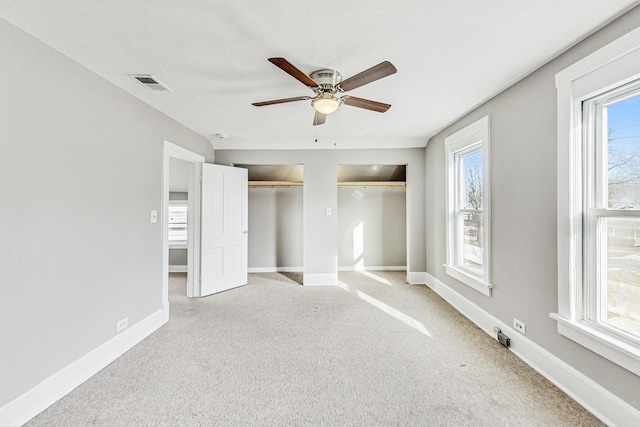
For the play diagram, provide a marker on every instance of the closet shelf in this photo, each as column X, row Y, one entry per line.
column 351, row 184
column 274, row 184
column 377, row 184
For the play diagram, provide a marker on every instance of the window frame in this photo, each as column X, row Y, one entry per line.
column 178, row 244
column 468, row 140
column 596, row 207
column 610, row 67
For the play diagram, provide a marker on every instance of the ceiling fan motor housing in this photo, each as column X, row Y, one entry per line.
column 327, row 80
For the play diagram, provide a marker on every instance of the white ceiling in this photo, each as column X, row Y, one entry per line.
column 450, row 55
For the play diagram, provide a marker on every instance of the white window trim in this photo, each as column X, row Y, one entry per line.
column 611, row 66
column 182, row 244
column 475, row 135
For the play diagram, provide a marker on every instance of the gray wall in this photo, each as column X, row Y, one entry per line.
column 178, row 256
column 275, row 227
column 177, row 195
column 320, row 232
column 80, row 170
column 382, row 213
column 523, row 179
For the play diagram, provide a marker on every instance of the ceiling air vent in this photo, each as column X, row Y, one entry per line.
column 147, row 80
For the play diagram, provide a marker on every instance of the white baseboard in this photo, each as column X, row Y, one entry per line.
column 177, row 269
column 39, row 398
column 416, row 277
column 599, row 401
column 320, row 280
column 274, row 269
column 375, row 268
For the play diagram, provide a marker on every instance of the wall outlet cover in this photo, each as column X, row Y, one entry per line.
column 122, row 324
column 519, row 326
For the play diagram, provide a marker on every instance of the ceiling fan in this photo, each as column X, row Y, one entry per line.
column 327, row 84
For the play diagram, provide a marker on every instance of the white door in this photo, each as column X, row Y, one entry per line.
column 224, row 228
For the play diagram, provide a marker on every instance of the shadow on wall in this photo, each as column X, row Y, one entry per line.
column 288, row 227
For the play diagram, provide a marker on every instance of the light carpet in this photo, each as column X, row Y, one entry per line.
column 373, row 351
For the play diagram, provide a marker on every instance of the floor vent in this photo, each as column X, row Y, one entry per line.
column 147, row 80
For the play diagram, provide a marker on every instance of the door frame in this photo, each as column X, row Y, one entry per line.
column 193, row 220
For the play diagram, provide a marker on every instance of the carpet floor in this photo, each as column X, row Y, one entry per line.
column 373, row 351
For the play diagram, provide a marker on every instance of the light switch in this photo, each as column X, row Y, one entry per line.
column 327, row 212
column 154, row 217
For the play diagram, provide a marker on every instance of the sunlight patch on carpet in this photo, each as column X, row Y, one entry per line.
column 407, row 320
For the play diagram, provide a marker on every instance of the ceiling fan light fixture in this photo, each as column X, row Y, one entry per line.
column 325, row 103
column 326, row 84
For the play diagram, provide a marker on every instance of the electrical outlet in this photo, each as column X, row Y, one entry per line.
column 122, row 324
column 519, row 326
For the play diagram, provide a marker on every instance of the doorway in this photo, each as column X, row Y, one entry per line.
column 181, row 171
column 178, row 216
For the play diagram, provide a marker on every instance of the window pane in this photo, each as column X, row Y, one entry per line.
column 177, row 214
column 472, row 180
column 472, row 245
column 623, row 152
column 177, row 224
column 622, row 306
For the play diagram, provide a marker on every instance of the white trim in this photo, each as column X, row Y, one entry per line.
column 274, row 270
column 39, row 398
column 416, row 277
column 178, row 269
column 609, row 408
column 300, row 269
column 375, row 268
column 473, row 282
column 178, row 246
column 193, row 212
column 609, row 53
column 475, row 136
column 320, row 279
column 605, row 344
column 611, row 66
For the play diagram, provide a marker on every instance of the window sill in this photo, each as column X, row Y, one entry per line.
column 599, row 341
column 178, row 246
column 467, row 279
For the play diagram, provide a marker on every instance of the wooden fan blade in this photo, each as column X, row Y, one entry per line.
column 374, row 73
column 366, row 104
column 319, row 119
column 281, row 101
column 290, row 69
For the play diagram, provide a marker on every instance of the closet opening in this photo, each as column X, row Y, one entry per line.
column 275, row 219
column 372, row 218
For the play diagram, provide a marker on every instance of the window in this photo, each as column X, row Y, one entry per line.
column 599, row 202
column 468, row 220
column 177, row 223
column 611, row 123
